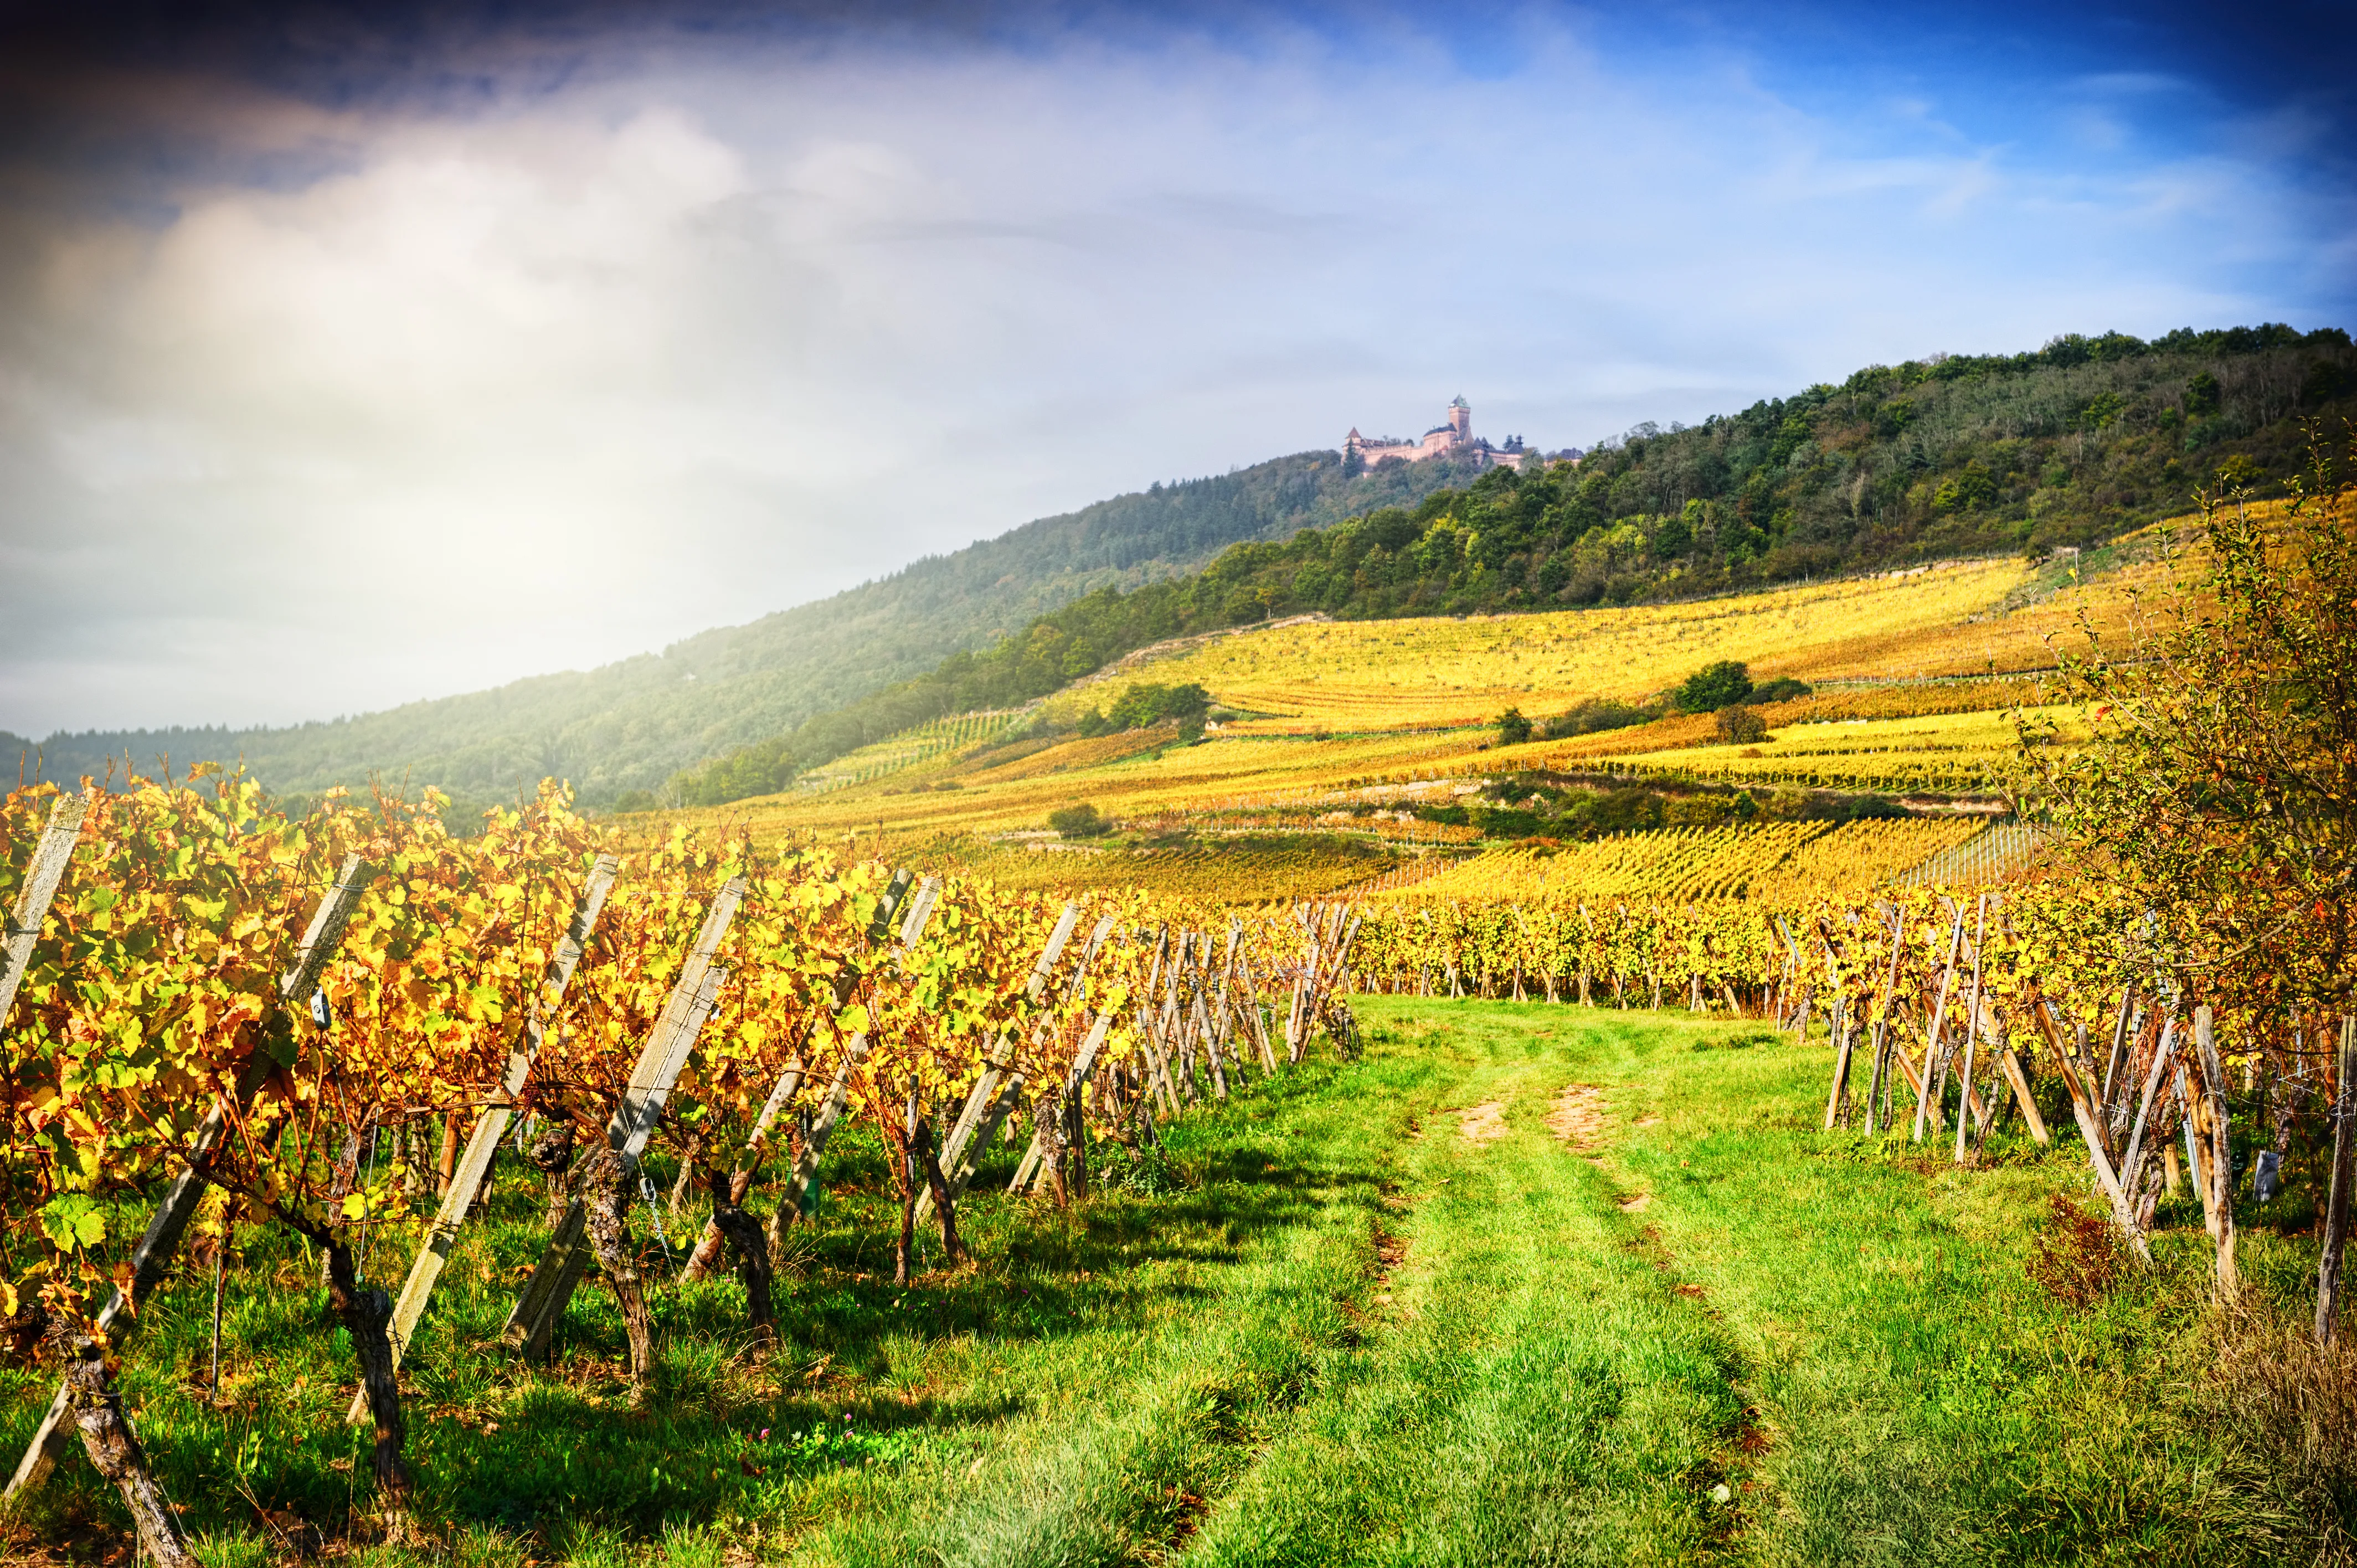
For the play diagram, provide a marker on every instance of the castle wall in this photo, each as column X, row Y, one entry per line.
column 1452, row 439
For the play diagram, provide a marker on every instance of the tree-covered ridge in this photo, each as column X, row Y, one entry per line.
column 2079, row 441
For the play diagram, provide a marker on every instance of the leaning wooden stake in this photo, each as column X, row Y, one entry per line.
column 1837, row 1098
column 2336, row 1214
column 152, row 1259
column 2009, row 1063
column 1929, row 1109
column 1084, row 1064
column 666, row 1051
column 802, row 1183
column 1972, row 1035
column 1883, row 1032
column 706, row 1254
column 999, row 1087
column 2086, row 1107
column 2217, row 1154
column 467, row 1178
column 59, row 837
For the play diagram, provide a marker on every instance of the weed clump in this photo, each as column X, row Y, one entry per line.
column 2291, row 1405
column 2076, row 1256
column 1147, row 1170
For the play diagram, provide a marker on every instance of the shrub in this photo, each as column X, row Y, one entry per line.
column 1694, row 811
column 1739, row 726
column 1080, row 821
column 2239, row 472
column 1591, row 716
column 2075, row 1255
column 1714, row 686
column 1784, row 689
column 1146, row 705
column 1513, row 728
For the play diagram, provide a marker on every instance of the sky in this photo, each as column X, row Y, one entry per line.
column 348, row 357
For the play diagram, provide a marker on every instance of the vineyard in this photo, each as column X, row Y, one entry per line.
column 878, row 1174
column 1363, row 675
column 1780, row 864
column 1921, row 676
column 173, row 1042
column 311, row 1045
column 1259, row 868
column 907, row 748
column 1964, row 752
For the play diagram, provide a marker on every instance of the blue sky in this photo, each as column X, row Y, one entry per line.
column 347, row 361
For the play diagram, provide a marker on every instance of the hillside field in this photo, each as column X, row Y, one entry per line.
column 1337, row 741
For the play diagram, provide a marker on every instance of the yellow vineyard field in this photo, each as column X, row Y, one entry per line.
column 1220, row 775
column 1362, row 675
column 1776, row 861
column 909, row 747
column 1370, row 703
column 1934, row 751
column 1234, row 870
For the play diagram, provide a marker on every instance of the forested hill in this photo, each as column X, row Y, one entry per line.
column 2077, row 441
column 629, row 726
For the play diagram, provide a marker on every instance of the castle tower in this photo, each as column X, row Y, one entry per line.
column 1460, row 421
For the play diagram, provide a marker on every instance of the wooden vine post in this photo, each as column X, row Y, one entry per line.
column 999, row 1087
column 58, row 836
column 467, row 1176
column 152, row 1259
column 666, row 1051
column 2164, row 1051
column 1929, row 1102
column 1972, row 1035
column 2345, row 1157
column 1884, row 1035
column 1084, row 1065
column 706, row 1254
column 1837, row 1099
column 2217, row 1154
column 2084, row 1106
column 802, row 1183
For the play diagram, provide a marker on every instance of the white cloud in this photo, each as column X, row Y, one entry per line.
column 703, row 335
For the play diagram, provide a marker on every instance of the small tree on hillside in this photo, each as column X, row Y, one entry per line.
column 1714, row 686
column 1739, row 726
column 1080, row 821
column 2220, row 791
column 1512, row 727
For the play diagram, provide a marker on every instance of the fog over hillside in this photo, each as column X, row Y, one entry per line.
column 629, row 725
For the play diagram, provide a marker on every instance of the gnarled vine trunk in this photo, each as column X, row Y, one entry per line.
column 944, row 1204
column 366, row 1312
column 751, row 1244
column 709, row 1246
column 552, row 1154
column 96, row 1405
column 603, row 1182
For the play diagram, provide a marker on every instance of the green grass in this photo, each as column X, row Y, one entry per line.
column 1350, row 1336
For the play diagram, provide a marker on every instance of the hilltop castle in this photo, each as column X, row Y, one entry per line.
column 1452, row 438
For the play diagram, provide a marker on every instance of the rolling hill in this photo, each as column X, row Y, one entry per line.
column 2068, row 446
column 630, row 724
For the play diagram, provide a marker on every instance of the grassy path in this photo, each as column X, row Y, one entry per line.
column 1693, row 1330
column 1392, row 1315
